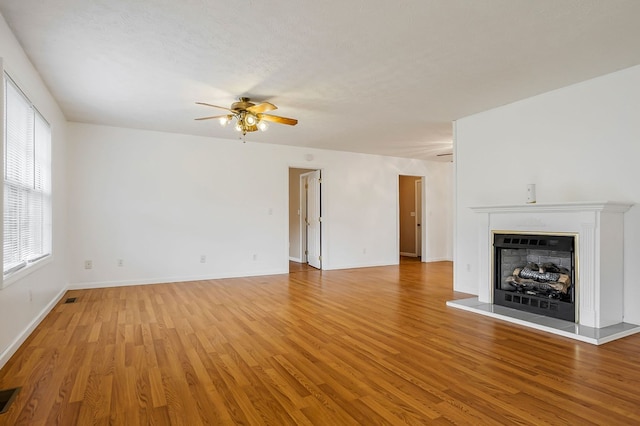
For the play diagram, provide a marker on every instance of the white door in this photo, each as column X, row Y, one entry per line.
column 314, row 220
column 302, row 217
column 419, row 217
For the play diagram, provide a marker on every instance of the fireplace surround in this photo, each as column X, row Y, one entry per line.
column 598, row 271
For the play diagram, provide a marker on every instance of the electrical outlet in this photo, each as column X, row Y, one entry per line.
column 120, row 262
column 203, row 258
column 88, row 264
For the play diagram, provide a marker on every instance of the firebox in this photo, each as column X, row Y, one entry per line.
column 536, row 273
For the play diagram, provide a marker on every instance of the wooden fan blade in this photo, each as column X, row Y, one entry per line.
column 215, row 106
column 443, row 155
column 209, row 118
column 277, row 119
column 263, row 107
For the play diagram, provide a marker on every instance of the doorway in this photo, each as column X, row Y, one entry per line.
column 305, row 221
column 410, row 203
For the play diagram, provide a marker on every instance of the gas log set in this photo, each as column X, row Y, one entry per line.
column 546, row 280
column 535, row 273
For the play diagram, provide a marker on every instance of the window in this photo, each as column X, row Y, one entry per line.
column 27, row 182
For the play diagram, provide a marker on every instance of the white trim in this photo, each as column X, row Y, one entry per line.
column 147, row 281
column 606, row 206
column 21, row 273
column 437, row 259
column 324, row 232
column 24, row 265
column 362, row 265
column 295, row 259
column 422, row 230
column 304, row 246
column 2, row 143
column 455, row 250
column 418, row 219
column 302, row 223
column 22, row 337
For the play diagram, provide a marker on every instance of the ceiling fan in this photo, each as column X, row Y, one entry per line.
column 249, row 116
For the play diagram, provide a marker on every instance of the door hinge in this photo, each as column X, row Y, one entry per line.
column 306, row 186
column 306, row 252
column 320, row 219
column 319, row 257
column 320, row 180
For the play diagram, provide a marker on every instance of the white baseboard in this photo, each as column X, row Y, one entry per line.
column 296, row 259
column 437, row 259
column 357, row 266
column 164, row 280
column 13, row 347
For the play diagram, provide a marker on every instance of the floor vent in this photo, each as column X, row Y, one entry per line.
column 6, row 398
column 71, row 300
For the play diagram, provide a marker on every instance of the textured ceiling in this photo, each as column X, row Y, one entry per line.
column 370, row 76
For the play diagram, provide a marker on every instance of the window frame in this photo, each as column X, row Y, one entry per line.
column 38, row 119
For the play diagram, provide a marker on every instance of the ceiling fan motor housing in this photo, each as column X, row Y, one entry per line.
column 242, row 104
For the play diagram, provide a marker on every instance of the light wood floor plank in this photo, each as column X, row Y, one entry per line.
column 362, row 346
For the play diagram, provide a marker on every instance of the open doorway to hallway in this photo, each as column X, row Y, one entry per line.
column 305, row 222
column 410, row 203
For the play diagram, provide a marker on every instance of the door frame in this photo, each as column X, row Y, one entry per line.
column 323, row 210
column 302, row 225
column 423, row 226
column 419, row 219
column 315, row 223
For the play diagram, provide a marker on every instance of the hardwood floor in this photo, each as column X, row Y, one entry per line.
column 366, row 346
column 300, row 267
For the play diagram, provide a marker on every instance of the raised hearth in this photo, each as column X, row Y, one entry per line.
column 595, row 336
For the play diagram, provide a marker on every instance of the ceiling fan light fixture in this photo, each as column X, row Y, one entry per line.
column 250, row 119
column 262, row 126
column 225, row 120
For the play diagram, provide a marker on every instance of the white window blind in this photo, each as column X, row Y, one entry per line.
column 27, row 182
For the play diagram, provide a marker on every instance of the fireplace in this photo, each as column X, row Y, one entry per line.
column 593, row 256
column 598, row 227
column 535, row 273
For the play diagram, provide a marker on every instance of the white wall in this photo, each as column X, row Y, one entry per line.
column 578, row 143
column 439, row 214
column 159, row 201
column 25, row 301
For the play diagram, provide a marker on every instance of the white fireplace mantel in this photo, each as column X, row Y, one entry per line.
column 608, row 206
column 599, row 229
